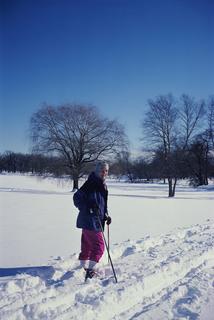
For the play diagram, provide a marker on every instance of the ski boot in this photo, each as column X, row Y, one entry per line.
column 90, row 273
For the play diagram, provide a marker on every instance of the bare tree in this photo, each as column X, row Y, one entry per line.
column 78, row 133
column 160, row 120
column 211, row 121
column 196, row 132
column 160, row 128
column 123, row 164
column 199, row 160
column 191, row 116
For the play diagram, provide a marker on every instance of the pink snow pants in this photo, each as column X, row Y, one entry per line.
column 92, row 245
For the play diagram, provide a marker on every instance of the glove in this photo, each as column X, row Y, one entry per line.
column 108, row 220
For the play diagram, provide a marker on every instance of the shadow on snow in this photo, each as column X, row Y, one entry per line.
column 45, row 273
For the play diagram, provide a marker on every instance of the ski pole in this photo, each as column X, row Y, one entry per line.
column 109, row 257
column 108, row 240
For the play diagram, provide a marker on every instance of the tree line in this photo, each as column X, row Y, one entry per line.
column 199, row 169
column 177, row 142
column 31, row 163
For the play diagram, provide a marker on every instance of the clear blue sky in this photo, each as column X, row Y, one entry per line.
column 115, row 54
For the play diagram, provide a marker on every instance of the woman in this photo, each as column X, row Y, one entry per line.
column 91, row 200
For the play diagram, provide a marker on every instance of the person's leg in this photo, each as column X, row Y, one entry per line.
column 85, row 249
column 97, row 249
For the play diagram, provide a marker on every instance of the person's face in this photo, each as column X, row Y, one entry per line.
column 103, row 173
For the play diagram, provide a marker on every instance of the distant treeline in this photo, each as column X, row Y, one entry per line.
column 196, row 166
column 31, row 163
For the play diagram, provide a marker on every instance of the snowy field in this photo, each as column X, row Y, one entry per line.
column 162, row 250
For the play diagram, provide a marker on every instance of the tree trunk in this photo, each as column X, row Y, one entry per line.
column 75, row 183
column 206, row 166
column 172, row 187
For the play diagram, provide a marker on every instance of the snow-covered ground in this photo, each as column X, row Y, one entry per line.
column 162, row 250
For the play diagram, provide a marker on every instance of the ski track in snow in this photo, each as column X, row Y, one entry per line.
column 167, row 277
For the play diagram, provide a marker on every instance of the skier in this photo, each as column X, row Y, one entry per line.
column 91, row 200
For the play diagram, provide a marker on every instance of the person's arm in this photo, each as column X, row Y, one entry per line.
column 79, row 199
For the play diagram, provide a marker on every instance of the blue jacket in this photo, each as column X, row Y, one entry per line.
column 91, row 200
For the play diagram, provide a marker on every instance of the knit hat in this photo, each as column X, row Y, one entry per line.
column 99, row 166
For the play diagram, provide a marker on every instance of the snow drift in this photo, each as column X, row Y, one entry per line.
column 166, row 277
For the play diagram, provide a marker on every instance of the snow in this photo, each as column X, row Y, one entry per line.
column 162, row 250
